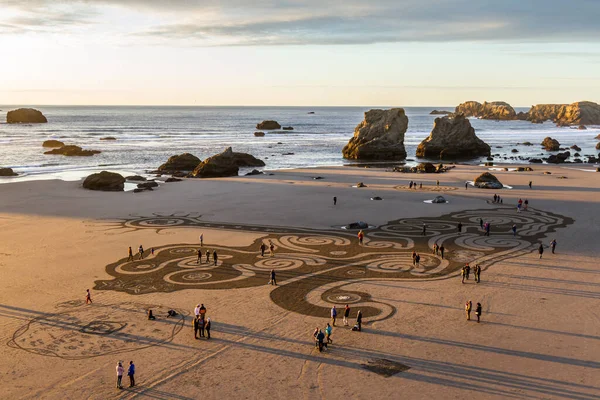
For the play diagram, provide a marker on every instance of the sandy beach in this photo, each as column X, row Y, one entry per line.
column 538, row 336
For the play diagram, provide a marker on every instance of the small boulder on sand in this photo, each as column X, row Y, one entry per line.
column 7, row 172
column 488, row 181
column 105, row 181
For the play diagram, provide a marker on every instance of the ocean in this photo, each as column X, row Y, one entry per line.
column 147, row 136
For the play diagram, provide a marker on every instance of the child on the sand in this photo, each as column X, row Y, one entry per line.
column 88, row 297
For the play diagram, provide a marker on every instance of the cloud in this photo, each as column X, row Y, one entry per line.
column 316, row 22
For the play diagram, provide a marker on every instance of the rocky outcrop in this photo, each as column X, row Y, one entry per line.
column 182, row 162
column 108, row 138
column 136, row 178
column 580, row 113
column 72, row 151
column 268, row 125
column 25, row 116
column 558, row 158
column 225, row 164
column 52, row 143
column 452, row 138
column 288, row 128
column 575, row 147
column 498, row 110
column 439, row 200
column 440, row 112
column 488, row 181
column 380, row 136
column 7, row 172
column 551, row 144
column 105, row 181
column 427, row 168
column 259, row 134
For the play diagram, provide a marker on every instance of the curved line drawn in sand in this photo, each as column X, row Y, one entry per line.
column 311, row 261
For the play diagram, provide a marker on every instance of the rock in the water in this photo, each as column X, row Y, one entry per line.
column 147, row 185
column 225, row 164
column 514, row 151
column 488, row 181
column 498, row 110
column 25, row 115
column 580, row 113
column 380, row 136
column 52, row 143
column 182, row 162
column 72, row 151
column 7, row 172
column 268, row 125
column 288, row 128
column 108, row 138
column 357, row 225
column 259, row 134
column 452, row 138
column 105, row 181
column 582, row 127
column 360, row 185
column 535, row 160
column 576, row 148
column 440, row 112
column 558, row 158
column 551, row 144
column 169, row 180
column 254, row 172
column 439, row 200
column 136, row 178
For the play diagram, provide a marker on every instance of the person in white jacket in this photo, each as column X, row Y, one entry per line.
column 120, row 371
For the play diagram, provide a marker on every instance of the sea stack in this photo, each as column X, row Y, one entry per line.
column 497, row 110
column 25, row 116
column 452, row 138
column 380, row 136
column 580, row 113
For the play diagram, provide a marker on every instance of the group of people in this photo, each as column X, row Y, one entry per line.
column 522, row 205
column 214, row 255
column 263, row 248
column 413, row 185
column 200, row 323
column 497, row 199
column 322, row 339
column 466, row 272
column 438, row 250
column 130, row 374
column 416, row 258
column 552, row 247
column 469, row 307
column 140, row 253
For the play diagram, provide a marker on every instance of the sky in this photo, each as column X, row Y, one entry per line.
column 298, row 52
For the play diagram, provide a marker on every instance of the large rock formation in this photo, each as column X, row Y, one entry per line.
column 494, row 110
column 452, row 138
column 551, row 144
column 380, row 136
column 25, row 115
column 105, row 181
column 580, row 113
column 7, row 172
column 224, row 164
column 52, row 143
column 488, row 181
column 268, row 125
column 72, row 151
column 182, row 162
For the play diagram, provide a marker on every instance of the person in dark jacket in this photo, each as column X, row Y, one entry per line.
column 478, row 311
column 131, row 374
column 215, row 257
column 359, row 320
column 207, row 328
column 321, row 340
column 541, row 250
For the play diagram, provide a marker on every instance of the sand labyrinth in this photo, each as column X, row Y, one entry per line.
column 314, row 267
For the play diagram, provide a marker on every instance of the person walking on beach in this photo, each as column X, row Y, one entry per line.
column 466, row 185
column 514, row 229
column 437, row 183
column 215, row 257
column 272, row 249
column 468, row 307
column 418, row 260
column 467, row 271
column 359, row 320
column 487, row 229
column 553, row 245
column 414, row 257
column 477, row 273
column 321, row 340
column 424, row 232
column 481, row 223
column 120, row 371
column 541, row 250
column 410, row 185
column 199, row 260
column 526, row 202
column 346, row 314
column 88, row 297
column 529, row 188
column 197, row 310
column 361, row 236
column 334, row 200
column 195, row 326
column 207, row 328
column 459, row 227
column 478, row 311
column 141, row 250
column 328, row 330
column 201, row 239
column 333, row 315
column 442, row 250
column 273, row 281
column 421, row 185
column 201, row 324
column 263, row 247
column 152, row 250
column 131, row 374
column 130, row 258
column 207, row 256
column 463, row 274
column 495, row 197
column 202, row 311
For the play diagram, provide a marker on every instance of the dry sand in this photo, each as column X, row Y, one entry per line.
column 539, row 335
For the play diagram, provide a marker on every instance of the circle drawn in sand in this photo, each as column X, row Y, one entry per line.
column 344, row 298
